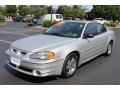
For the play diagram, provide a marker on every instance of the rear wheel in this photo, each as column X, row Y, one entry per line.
column 69, row 66
column 109, row 49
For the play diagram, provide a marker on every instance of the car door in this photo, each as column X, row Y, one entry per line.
column 88, row 45
column 101, row 38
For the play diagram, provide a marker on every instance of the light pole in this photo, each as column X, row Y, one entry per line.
column 51, row 13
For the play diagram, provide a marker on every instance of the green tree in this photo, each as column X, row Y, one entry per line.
column 11, row 10
column 50, row 9
column 23, row 10
column 60, row 9
column 72, row 11
column 109, row 12
column 37, row 10
column 2, row 10
column 78, row 11
column 67, row 11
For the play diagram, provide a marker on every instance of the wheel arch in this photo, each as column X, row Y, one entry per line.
column 78, row 55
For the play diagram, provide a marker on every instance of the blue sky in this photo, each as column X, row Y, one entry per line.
column 89, row 7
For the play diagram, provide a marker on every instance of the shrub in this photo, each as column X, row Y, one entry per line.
column 48, row 23
column 111, row 24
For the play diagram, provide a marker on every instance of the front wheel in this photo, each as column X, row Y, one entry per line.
column 109, row 49
column 69, row 66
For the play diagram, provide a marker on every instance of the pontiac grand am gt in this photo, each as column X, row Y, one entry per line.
column 60, row 49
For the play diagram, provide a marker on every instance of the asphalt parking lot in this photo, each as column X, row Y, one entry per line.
column 99, row 71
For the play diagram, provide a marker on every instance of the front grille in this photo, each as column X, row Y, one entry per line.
column 21, row 68
column 25, row 69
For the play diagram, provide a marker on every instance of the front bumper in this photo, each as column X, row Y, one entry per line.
column 37, row 69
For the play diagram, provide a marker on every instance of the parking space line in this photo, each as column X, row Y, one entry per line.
column 5, row 41
column 15, row 33
column 26, row 30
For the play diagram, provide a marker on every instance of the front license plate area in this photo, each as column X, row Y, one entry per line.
column 15, row 61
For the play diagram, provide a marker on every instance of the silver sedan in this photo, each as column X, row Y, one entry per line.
column 60, row 49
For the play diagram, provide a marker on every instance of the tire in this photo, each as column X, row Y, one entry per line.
column 70, row 66
column 109, row 49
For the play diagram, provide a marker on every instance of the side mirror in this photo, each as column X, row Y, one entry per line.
column 44, row 31
column 88, row 35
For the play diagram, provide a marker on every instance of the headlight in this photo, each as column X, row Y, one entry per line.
column 43, row 55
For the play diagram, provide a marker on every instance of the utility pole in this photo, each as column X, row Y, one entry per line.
column 51, row 13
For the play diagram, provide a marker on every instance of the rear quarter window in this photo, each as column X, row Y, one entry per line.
column 100, row 28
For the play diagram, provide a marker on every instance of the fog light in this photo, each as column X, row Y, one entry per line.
column 36, row 72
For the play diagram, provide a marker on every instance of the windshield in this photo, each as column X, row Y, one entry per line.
column 66, row 29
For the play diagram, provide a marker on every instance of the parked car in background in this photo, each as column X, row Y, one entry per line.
column 68, row 18
column 38, row 19
column 54, row 17
column 14, row 18
column 77, row 19
column 100, row 20
column 60, row 49
column 71, row 18
column 27, row 18
column 19, row 18
column 2, row 18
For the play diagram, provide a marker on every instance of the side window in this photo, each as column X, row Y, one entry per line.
column 57, row 16
column 90, row 28
column 100, row 28
column 60, row 16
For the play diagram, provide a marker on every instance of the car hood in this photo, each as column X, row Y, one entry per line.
column 38, row 42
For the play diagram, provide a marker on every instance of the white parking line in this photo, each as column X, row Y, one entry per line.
column 20, row 30
column 14, row 33
column 5, row 41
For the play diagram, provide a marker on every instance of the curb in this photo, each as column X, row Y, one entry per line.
column 38, row 28
column 3, row 24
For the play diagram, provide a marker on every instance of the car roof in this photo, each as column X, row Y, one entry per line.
column 81, row 21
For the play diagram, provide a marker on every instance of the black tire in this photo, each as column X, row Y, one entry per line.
column 108, row 52
column 65, row 73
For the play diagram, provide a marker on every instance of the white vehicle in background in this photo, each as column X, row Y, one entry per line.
column 55, row 17
column 100, row 20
